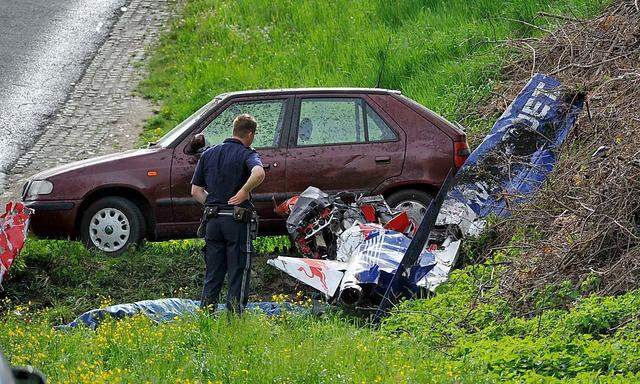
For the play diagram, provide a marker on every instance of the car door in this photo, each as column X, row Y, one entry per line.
column 273, row 116
column 341, row 143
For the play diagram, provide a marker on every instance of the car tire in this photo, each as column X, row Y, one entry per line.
column 112, row 225
column 414, row 201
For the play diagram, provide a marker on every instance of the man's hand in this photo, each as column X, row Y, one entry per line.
column 255, row 178
column 239, row 197
column 199, row 193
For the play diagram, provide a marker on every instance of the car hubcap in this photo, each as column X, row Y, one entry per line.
column 415, row 210
column 109, row 229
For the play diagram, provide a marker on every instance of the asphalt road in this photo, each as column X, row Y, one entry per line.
column 44, row 47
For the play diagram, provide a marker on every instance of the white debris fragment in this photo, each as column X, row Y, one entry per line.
column 348, row 241
column 446, row 257
column 454, row 212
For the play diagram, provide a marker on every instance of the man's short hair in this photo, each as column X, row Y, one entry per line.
column 244, row 124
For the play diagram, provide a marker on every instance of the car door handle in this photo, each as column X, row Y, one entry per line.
column 268, row 166
column 383, row 159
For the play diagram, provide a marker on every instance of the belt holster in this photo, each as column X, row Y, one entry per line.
column 242, row 215
column 253, row 226
column 209, row 212
column 247, row 216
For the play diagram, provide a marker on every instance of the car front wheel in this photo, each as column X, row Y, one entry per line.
column 413, row 201
column 111, row 225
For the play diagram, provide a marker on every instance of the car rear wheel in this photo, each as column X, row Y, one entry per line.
column 413, row 201
column 111, row 225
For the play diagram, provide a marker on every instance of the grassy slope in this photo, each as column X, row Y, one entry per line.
column 430, row 341
column 436, row 49
column 437, row 57
column 64, row 275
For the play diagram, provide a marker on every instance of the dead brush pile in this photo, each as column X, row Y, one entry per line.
column 586, row 218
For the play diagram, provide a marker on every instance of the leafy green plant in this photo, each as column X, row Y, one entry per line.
column 272, row 244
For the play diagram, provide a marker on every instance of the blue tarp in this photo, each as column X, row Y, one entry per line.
column 163, row 310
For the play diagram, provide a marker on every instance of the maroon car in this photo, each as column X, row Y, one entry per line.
column 373, row 141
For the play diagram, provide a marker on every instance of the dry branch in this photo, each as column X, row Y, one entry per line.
column 586, row 218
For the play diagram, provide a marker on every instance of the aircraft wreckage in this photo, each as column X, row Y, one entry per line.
column 14, row 224
column 357, row 251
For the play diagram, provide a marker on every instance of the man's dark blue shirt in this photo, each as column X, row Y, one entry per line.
column 223, row 169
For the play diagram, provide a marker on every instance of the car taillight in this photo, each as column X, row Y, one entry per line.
column 460, row 152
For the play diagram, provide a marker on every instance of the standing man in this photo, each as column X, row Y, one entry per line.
column 224, row 178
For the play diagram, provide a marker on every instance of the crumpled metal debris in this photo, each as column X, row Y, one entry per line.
column 373, row 262
column 14, row 224
column 355, row 258
column 509, row 165
column 315, row 220
column 350, row 243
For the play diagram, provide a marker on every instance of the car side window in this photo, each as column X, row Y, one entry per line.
column 268, row 113
column 330, row 121
column 378, row 129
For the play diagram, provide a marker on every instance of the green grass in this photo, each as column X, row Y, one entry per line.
column 462, row 337
column 467, row 333
column 64, row 275
column 437, row 51
column 592, row 336
column 203, row 349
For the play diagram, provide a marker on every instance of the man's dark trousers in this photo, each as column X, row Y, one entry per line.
column 228, row 252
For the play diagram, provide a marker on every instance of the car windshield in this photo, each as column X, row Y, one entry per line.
column 176, row 132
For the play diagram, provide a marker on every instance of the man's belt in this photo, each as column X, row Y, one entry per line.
column 213, row 211
column 239, row 214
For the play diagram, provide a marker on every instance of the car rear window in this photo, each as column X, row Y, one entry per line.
column 326, row 121
column 378, row 129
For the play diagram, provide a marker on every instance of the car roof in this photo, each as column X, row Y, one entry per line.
column 288, row 91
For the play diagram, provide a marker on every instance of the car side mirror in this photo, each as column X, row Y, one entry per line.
column 27, row 375
column 195, row 145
